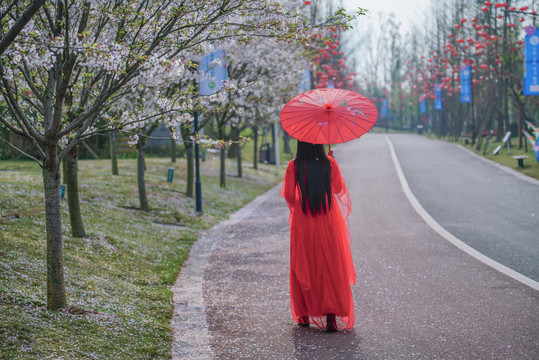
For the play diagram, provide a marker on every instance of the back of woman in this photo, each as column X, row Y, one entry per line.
column 321, row 267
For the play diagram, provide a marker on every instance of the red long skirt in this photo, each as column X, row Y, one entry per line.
column 321, row 266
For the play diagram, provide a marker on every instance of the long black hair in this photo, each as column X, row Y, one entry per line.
column 313, row 176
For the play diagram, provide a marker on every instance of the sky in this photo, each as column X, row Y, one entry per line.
column 406, row 11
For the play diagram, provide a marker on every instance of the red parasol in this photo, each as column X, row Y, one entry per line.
column 328, row 116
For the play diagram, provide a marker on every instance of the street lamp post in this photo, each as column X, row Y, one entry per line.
column 198, row 184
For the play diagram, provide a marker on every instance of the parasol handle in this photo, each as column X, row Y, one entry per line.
column 330, row 153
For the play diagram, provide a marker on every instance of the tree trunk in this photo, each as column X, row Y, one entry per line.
column 114, row 153
column 255, row 157
column 64, row 171
column 240, row 172
column 190, row 170
column 173, row 150
column 286, row 139
column 233, row 148
column 53, row 218
column 140, row 175
column 72, row 182
column 222, row 155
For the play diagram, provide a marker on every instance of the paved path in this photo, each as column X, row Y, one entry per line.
column 417, row 295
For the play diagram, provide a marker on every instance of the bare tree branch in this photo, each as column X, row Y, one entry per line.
column 22, row 152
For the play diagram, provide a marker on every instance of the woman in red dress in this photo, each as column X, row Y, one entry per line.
column 321, row 267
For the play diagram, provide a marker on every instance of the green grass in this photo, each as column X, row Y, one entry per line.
column 118, row 278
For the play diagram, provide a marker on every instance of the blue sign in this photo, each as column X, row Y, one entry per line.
column 465, row 84
column 438, row 100
column 213, row 73
column 531, row 64
column 423, row 105
column 305, row 84
column 384, row 108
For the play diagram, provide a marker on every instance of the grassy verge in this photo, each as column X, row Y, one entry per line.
column 118, row 278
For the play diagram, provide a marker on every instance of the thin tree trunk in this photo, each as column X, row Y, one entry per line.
column 173, row 150
column 286, row 140
column 140, row 175
column 90, row 150
column 255, row 138
column 240, row 172
column 222, row 156
column 53, row 219
column 222, row 181
column 233, row 148
column 114, row 153
column 64, row 171
column 189, row 191
column 72, row 182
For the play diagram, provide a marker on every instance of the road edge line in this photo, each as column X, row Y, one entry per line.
column 446, row 234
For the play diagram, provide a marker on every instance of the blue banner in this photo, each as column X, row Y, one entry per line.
column 423, row 105
column 384, row 109
column 213, row 73
column 465, row 84
column 438, row 100
column 531, row 64
column 305, row 84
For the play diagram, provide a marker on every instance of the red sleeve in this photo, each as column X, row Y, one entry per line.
column 336, row 177
column 339, row 189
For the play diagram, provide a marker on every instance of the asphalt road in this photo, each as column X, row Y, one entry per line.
column 491, row 210
column 417, row 296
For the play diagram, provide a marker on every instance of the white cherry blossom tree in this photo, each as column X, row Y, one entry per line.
column 76, row 58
